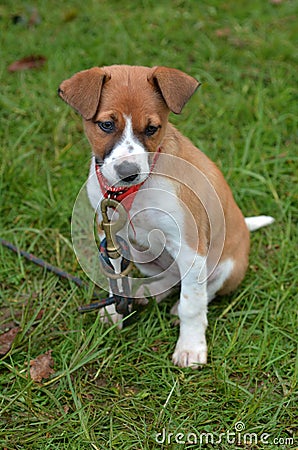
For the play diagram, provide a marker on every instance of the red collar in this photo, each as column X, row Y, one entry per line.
column 123, row 194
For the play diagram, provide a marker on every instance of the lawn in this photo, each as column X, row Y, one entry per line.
column 112, row 389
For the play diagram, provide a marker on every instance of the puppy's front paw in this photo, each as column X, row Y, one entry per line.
column 141, row 297
column 109, row 314
column 190, row 354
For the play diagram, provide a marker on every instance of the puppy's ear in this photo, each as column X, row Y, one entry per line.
column 175, row 86
column 82, row 91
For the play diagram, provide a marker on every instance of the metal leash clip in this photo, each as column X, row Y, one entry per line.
column 110, row 228
column 113, row 247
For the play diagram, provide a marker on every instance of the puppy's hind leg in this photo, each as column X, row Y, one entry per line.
column 160, row 282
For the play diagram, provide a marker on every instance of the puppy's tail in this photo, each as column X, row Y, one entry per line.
column 256, row 222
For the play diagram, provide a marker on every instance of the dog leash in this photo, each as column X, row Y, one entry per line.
column 100, row 303
column 120, row 199
column 113, row 247
column 42, row 263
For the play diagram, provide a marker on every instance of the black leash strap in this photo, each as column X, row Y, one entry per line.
column 40, row 262
column 101, row 303
column 122, row 295
column 111, row 247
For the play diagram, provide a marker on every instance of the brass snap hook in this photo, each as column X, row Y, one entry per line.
column 110, row 227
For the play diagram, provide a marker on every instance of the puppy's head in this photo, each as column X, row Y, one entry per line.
column 125, row 111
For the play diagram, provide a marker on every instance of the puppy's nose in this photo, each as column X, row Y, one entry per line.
column 128, row 171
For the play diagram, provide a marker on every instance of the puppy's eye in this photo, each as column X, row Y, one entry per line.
column 107, row 127
column 150, row 130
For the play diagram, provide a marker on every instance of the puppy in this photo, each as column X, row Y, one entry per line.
column 184, row 223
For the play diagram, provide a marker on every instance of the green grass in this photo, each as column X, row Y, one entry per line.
column 116, row 389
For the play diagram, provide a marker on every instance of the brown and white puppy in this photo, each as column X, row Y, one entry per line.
column 203, row 238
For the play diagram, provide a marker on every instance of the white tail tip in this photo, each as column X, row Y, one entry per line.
column 256, row 222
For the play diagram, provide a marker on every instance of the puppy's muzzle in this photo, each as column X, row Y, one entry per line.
column 128, row 172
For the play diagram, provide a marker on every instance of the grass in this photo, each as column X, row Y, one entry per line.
column 117, row 389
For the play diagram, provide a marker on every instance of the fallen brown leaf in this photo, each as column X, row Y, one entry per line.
column 29, row 62
column 42, row 367
column 40, row 314
column 6, row 340
column 223, row 32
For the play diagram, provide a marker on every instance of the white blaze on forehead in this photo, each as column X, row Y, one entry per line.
column 128, row 136
column 128, row 145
